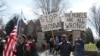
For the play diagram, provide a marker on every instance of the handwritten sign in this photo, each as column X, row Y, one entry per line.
column 75, row 21
column 50, row 22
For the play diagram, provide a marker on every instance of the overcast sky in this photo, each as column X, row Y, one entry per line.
column 16, row 6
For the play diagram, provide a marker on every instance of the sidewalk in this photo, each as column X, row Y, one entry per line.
column 46, row 53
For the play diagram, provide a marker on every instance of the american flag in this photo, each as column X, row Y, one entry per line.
column 11, row 42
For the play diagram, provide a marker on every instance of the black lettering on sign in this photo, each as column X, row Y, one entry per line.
column 55, row 15
column 56, row 25
column 41, row 19
column 67, row 26
column 76, row 15
column 82, row 15
column 51, row 18
column 44, row 27
column 80, row 20
column 79, row 25
column 46, row 18
column 51, row 26
column 70, row 19
column 79, row 15
column 70, row 25
column 67, row 15
column 85, row 15
column 74, row 25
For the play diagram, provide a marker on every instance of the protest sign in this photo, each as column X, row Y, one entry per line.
column 75, row 21
column 50, row 22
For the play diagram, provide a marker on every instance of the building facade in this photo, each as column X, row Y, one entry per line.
column 21, row 27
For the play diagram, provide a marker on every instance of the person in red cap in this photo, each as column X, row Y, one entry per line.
column 31, row 49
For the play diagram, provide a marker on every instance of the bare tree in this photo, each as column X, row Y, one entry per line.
column 89, row 36
column 51, row 6
column 3, row 7
column 95, row 19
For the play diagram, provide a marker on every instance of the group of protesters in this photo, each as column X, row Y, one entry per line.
column 65, row 47
column 25, row 46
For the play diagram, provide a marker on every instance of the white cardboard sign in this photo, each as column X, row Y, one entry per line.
column 75, row 21
column 50, row 22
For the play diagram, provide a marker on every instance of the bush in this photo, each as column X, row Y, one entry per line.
column 90, row 47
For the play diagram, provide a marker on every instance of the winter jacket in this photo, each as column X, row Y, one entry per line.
column 98, row 44
column 1, row 49
column 79, row 48
column 80, row 45
column 56, row 41
column 33, row 51
column 65, row 49
column 20, row 50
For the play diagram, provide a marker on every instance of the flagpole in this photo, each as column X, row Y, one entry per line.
column 19, row 22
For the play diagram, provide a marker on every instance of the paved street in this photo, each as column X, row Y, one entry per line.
column 45, row 53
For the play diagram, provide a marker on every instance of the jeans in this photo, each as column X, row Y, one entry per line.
column 79, row 53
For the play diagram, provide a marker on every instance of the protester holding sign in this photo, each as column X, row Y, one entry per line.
column 65, row 46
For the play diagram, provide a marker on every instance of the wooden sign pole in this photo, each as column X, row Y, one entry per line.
column 76, row 33
column 52, row 34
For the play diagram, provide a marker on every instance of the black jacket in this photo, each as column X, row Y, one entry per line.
column 65, row 48
column 20, row 50
column 98, row 44
column 1, row 49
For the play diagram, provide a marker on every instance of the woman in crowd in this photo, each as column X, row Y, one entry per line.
column 20, row 47
column 31, row 49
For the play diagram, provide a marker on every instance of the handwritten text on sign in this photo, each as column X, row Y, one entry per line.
column 75, row 21
column 50, row 22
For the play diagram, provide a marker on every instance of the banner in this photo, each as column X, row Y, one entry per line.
column 75, row 21
column 50, row 22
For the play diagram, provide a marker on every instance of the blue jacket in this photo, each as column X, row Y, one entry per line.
column 80, row 45
column 57, row 41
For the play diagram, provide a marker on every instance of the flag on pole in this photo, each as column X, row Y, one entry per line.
column 11, row 42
